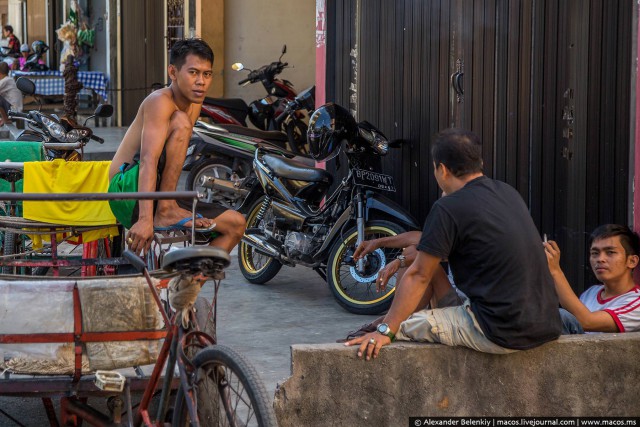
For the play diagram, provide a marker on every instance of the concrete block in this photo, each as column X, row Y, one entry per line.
column 5, row 135
column 586, row 375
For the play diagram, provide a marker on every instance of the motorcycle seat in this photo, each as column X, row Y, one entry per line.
column 268, row 135
column 228, row 103
column 290, row 169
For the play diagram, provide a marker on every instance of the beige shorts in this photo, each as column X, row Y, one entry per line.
column 454, row 326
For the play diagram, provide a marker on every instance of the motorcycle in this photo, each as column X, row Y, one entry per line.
column 33, row 62
column 219, row 161
column 225, row 152
column 273, row 112
column 287, row 223
column 62, row 138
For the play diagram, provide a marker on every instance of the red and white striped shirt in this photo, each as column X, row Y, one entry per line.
column 625, row 308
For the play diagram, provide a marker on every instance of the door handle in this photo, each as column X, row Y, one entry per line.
column 457, row 80
column 457, row 83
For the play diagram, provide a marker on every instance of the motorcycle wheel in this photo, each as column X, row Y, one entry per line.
column 257, row 268
column 356, row 291
column 216, row 167
column 297, row 136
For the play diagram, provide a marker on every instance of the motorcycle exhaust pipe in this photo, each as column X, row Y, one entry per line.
column 260, row 245
column 222, row 185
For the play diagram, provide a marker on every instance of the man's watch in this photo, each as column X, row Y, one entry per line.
column 402, row 259
column 384, row 329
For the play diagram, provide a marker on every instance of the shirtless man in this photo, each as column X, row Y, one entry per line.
column 160, row 133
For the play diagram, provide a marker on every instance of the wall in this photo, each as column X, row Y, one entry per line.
column 255, row 31
column 586, row 375
column 211, row 28
column 98, row 21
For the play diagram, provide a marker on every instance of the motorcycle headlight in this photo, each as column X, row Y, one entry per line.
column 380, row 144
column 75, row 135
column 55, row 129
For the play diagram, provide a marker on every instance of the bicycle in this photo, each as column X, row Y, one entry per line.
column 217, row 386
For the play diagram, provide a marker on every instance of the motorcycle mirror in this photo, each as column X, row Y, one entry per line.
column 237, row 66
column 104, row 110
column 284, row 50
column 26, row 86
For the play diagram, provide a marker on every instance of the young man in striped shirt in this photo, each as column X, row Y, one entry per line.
column 613, row 305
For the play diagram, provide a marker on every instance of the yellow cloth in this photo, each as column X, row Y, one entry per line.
column 60, row 176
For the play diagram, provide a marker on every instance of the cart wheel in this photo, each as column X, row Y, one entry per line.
column 228, row 391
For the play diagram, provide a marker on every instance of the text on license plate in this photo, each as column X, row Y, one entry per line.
column 372, row 179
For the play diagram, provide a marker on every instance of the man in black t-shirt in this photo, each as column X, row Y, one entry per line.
column 485, row 231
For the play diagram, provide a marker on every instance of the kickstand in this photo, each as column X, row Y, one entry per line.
column 322, row 272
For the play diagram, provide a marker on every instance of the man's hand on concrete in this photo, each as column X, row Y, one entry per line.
column 370, row 344
column 385, row 274
column 366, row 247
column 140, row 236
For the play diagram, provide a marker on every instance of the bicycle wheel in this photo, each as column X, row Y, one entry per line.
column 228, row 392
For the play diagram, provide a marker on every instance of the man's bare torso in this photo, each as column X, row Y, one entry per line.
column 132, row 140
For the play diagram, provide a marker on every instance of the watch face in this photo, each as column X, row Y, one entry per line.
column 383, row 328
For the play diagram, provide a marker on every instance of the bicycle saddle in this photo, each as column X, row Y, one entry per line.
column 206, row 259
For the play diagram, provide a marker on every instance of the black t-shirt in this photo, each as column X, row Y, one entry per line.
column 498, row 260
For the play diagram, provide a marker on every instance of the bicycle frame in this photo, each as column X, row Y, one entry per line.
column 177, row 339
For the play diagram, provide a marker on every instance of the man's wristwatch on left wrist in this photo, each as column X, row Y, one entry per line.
column 402, row 260
column 384, row 329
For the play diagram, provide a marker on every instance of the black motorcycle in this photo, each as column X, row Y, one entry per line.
column 287, row 223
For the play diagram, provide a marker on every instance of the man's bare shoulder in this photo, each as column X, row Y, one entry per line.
column 159, row 101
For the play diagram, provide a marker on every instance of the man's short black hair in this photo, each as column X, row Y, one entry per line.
column 4, row 68
column 628, row 239
column 8, row 28
column 459, row 150
column 184, row 47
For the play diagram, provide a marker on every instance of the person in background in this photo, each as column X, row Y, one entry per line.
column 22, row 61
column 13, row 44
column 614, row 304
column 10, row 95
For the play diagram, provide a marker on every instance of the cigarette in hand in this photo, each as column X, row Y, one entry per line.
column 544, row 238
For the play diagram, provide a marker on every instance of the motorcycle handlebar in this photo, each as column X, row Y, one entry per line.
column 19, row 114
column 243, row 81
column 97, row 139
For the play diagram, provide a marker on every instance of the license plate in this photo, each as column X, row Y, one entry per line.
column 379, row 181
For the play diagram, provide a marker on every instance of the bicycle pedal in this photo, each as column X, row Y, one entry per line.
column 110, row 381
